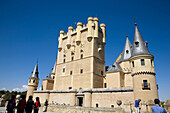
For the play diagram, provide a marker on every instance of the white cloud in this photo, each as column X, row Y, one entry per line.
column 3, row 89
column 23, row 88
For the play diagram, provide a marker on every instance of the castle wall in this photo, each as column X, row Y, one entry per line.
column 108, row 99
column 42, row 96
column 113, row 80
column 60, row 98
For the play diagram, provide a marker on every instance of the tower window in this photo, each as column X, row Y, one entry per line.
column 64, row 60
column 105, row 85
column 81, row 70
column 71, row 72
column 142, row 62
column 81, row 56
column 133, row 64
column 53, row 77
column 101, row 72
column 127, row 51
column 137, row 44
column 145, row 85
column 64, row 55
column 33, row 81
column 63, row 70
column 72, row 58
column 97, row 105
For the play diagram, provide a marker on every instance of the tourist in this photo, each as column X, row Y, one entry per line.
column 157, row 108
column 11, row 105
column 45, row 106
column 137, row 105
column 37, row 105
column 21, row 105
column 29, row 105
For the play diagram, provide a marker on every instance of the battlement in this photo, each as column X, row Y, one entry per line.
column 92, row 28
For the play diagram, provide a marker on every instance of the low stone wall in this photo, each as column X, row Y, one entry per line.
column 77, row 109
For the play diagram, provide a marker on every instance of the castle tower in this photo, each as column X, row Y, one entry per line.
column 33, row 82
column 143, row 71
column 81, row 56
column 48, row 82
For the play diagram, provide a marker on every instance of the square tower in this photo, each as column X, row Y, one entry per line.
column 81, row 57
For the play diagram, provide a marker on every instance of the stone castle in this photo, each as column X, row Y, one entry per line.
column 80, row 77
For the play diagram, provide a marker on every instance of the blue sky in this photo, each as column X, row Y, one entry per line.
column 29, row 30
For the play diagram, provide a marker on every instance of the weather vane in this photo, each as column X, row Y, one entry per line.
column 134, row 20
column 126, row 34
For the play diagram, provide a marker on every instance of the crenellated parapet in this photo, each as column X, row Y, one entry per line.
column 92, row 28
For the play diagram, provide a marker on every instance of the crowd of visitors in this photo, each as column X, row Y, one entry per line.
column 23, row 106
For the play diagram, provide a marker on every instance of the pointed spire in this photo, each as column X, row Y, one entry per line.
column 35, row 71
column 54, row 69
column 139, row 47
column 126, row 54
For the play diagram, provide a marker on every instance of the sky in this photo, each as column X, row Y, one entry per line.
column 29, row 30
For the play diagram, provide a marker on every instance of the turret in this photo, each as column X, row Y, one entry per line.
column 33, row 82
column 60, row 40
column 143, row 71
column 69, row 36
column 103, row 27
column 96, row 27
column 79, row 26
column 90, row 30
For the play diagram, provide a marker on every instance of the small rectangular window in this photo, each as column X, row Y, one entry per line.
column 72, row 58
column 71, row 72
column 101, row 72
column 145, row 83
column 64, row 60
column 105, row 85
column 81, row 70
column 81, row 56
column 63, row 70
column 142, row 62
column 133, row 64
column 97, row 105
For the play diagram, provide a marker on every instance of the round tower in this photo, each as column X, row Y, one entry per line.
column 143, row 71
column 33, row 82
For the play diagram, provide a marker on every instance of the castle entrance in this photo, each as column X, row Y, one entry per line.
column 79, row 97
column 80, row 101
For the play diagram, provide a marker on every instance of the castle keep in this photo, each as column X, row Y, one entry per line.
column 80, row 77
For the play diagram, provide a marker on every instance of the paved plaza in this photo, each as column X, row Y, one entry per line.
column 3, row 110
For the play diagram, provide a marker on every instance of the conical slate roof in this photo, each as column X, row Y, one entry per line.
column 54, row 69
column 126, row 54
column 139, row 47
column 35, row 72
column 114, row 67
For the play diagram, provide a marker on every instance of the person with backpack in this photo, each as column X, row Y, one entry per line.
column 21, row 105
column 29, row 105
column 37, row 105
column 11, row 105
